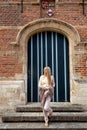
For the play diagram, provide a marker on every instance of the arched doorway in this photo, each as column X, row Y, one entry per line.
column 40, row 25
column 48, row 48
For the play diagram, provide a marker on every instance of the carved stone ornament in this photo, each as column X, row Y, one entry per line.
column 50, row 12
column 44, row 4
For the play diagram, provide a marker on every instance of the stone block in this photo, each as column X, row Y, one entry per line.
column 11, row 93
column 79, row 93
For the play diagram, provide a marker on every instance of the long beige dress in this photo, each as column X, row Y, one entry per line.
column 46, row 95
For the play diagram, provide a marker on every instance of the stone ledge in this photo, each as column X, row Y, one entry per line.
column 82, row 81
column 83, row 42
column 38, row 116
column 8, row 82
column 10, row 27
column 56, row 106
column 40, row 126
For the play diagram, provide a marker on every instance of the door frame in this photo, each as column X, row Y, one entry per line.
column 47, row 25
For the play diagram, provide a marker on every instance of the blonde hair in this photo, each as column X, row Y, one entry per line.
column 48, row 74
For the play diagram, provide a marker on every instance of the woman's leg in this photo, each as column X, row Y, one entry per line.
column 47, row 110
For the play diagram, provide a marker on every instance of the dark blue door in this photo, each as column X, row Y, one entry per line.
column 48, row 49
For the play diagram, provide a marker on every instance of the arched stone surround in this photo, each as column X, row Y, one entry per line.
column 47, row 25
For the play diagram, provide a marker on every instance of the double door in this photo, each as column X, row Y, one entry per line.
column 48, row 49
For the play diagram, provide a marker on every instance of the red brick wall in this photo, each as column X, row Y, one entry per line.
column 11, row 15
column 11, row 18
column 80, row 60
column 39, row 0
column 9, row 64
column 17, row 1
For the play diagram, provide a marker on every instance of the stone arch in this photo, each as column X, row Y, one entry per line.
column 47, row 24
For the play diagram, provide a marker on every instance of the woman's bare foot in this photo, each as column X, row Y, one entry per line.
column 46, row 124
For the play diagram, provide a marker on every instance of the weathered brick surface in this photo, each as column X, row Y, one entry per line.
column 83, row 33
column 17, row 1
column 80, row 60
column 10, row 15
column 6, row 37
column 39, row 0
column 72, row 14
column 9, row 64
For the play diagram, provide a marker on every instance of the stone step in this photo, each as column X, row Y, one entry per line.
column 38, row 117
column 40, row 126
column 57, row 107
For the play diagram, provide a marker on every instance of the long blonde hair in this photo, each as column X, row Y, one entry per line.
column 48, row 74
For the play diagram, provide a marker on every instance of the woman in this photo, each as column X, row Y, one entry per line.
column 46, row 85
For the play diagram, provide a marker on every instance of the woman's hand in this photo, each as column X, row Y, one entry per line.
column 46, row 88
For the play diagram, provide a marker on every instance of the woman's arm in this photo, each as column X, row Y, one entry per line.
column 53, row 82
column 40, row 84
